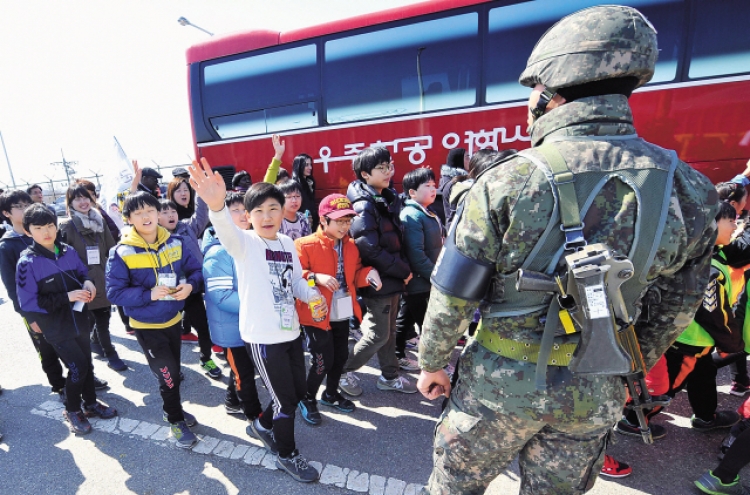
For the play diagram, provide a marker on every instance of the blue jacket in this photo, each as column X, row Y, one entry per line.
column 132, row 272
column 11, row 247
column 222, row 298
column 423, row 240
column 43, row 280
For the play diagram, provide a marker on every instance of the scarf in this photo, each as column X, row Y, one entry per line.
column 92, row 221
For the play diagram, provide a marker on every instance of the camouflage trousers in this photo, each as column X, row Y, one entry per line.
column 495, row 414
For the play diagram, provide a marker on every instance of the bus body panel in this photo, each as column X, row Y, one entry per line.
column 705, row 124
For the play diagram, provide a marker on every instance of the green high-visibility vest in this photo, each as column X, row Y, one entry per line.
column 695, row 334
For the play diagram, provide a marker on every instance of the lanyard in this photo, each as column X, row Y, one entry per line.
column 96, row 235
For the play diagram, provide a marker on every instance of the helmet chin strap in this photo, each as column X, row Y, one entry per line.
column 541, row 105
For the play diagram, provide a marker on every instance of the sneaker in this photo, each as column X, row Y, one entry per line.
column 77, row 422
column 189, row 419
column 233, row 408
column 189, row 337
column 337, row 401
column 412, row 343
column 181, row 432
column 100, row 384
column 97, row 348
column 739, row 389
column 297, row 467
column 309, row 410
column 624, row 427
column 265, row 436
column 218, row 350
column 408, row 364
column 114, row 362
column 99, row 410
column 349, row 384
column 210, row 369
column 613, row 468
column 722, row 419
column 708, row 483
column 398, row 384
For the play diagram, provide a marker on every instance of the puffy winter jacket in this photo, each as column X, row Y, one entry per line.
column 132, row 270
column 376, row 231
column 43, row 280
column 317, row 254
column 423, row 240
column 222, row 298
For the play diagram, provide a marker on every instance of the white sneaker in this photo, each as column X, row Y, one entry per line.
column 349, row 384
column 398, row 384
column 407, row 364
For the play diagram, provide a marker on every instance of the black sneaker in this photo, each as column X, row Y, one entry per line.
column 297, row 467
column 624, row 427
column 188, row 418
column 337, row 401
column 722, row 419
column 182, row 434
column 99, row 410
column 100, row 384
column 233, row 407
column 309, row 410
column 265, row 436
column 77, row 422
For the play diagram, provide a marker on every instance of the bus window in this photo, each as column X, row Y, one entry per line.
column 721, row 40
column 515, row 29
column 262, row 93
column 420, row 67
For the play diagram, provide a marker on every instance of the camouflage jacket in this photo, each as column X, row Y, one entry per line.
column 493, row 230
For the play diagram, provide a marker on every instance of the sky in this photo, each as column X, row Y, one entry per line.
column 74, row 74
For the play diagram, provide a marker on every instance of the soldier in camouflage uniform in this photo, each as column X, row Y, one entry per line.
column 592, row 60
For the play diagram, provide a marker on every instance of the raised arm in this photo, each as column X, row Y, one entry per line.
column 273, row 169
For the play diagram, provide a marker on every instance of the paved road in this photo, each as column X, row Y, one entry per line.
column 383, row 448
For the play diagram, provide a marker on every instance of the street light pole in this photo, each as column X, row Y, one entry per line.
column 185, row 22
column 8, row 161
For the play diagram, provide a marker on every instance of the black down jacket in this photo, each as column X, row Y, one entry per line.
column 376, row 231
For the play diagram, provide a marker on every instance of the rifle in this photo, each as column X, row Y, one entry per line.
column 593, row 304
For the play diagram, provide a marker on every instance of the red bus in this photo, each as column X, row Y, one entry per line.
column 429, row 77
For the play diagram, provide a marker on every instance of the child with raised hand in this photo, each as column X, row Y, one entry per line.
column 88, row 233
column 269, row 277
column 223, row 309
column 143, row 276
column 195, row 310
column 53, row 288
column 295, row 224
column 331, row 260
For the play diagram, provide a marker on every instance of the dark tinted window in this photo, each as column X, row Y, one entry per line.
column 721, row 40
column 515, row 29
column 420, row 67
column 262, row 93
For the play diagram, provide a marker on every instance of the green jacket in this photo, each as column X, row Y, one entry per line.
column 509, row 207
column 423, row 240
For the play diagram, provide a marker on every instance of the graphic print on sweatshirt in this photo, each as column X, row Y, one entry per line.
column 280, row 268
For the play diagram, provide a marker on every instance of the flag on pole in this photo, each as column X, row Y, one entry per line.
column 116, row 184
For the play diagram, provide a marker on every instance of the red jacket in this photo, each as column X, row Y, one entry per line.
column 317, row 254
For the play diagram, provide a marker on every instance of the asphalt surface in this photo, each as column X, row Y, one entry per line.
column 383, row 447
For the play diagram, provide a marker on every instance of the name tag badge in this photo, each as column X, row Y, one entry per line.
column 287, row 316
column 92, row 255
column 169, row 280
column 342, row 306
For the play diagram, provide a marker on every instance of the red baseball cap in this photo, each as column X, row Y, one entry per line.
column 335, row 206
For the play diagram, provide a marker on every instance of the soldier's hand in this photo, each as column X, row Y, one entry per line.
column 435, row 384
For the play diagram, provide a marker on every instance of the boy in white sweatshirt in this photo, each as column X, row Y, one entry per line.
column 269, row 277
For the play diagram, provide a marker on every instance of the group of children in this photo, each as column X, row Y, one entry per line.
column 259, row 256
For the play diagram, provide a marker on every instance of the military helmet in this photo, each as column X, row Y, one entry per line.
column 593, row 44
